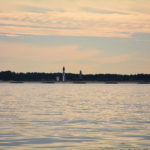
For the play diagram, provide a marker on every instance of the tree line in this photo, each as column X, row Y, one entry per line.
column 35, row 76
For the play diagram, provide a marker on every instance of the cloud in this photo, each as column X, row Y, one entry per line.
column 39, row 9
column 74, row 18
column 34, row 9
column 28, row 57
column 102, row 11
column 51, row 53
column 37, row 26
column 21, row 56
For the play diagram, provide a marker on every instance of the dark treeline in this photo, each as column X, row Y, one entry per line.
column 12, row 76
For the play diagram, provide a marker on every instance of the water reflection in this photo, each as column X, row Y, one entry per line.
column 68, row 116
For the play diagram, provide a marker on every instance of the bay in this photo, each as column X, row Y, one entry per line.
column 74, row 116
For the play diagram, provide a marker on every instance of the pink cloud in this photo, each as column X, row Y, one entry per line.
column 50, row 53
column 23, row 56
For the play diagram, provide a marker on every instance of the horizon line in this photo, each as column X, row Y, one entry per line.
column 78, row 73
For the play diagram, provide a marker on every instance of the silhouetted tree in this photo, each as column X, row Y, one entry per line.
column 35, row 76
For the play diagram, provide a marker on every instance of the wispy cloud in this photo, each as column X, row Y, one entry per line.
column 75, row 18
column 37, row 26
column 102, row 11
column 51, row 53
column 39, row 9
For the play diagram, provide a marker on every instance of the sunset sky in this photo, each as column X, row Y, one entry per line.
column 95, row 36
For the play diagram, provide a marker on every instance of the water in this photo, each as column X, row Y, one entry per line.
column 74, row 116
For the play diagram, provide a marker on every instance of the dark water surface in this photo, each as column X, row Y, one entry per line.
column 74, row 116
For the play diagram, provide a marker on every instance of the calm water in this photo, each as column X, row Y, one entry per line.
column 74, row 117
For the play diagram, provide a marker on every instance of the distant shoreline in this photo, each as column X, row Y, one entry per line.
column 8, row 76
column 72, row 82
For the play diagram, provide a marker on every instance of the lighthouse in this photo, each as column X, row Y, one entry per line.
column 80, row 75
column 63, row 75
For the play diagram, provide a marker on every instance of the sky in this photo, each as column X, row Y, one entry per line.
column 95, row 36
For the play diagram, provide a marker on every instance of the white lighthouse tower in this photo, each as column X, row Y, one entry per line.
column 63, row 75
